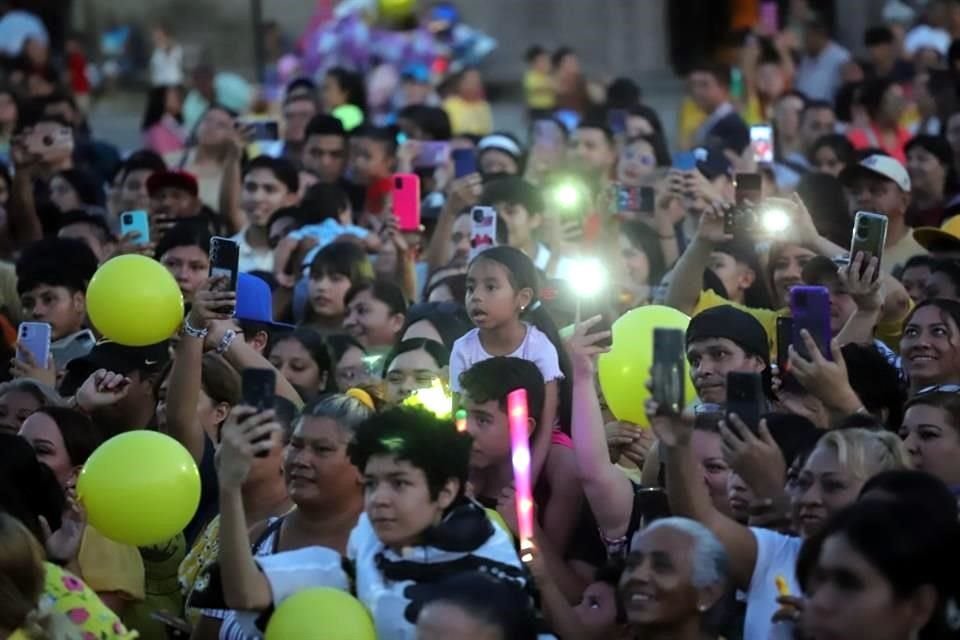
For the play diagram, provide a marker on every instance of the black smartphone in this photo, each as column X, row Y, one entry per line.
column 651, row 503
column 669, row 359
column 810, row 307
column 259, row 390
column 784, row 340
column 737, row 219
column 745, row 398
column 224, row 263
column 869, row 236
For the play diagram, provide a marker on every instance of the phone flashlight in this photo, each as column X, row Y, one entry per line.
column 774, row 220
column 588, row 276
column 567, row 195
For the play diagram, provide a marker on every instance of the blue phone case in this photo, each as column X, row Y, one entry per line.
column 810, row 307
column 464, row 162
column 138, row 221
column 685, row 161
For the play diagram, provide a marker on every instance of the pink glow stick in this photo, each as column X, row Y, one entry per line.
column 517, row 412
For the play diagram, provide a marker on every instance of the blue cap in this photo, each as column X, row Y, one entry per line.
column 416, row 72
column 255, row 302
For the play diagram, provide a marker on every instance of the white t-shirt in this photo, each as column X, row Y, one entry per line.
column 776, row 556
column 536, row 347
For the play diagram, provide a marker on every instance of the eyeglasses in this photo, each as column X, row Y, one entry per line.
column 939, row 388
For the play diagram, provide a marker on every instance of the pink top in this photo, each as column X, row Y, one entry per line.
column 164, row 137
column 866, row 137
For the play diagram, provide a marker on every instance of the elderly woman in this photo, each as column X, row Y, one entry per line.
column 676, row 571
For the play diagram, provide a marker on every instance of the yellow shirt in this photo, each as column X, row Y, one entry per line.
column 688, row 122
column 472, row 117
column 110, row 566
column 205, row 551
column 539, row 89
column 899, row 253
column 66, row 594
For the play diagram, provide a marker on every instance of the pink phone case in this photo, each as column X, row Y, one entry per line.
column 406, row 201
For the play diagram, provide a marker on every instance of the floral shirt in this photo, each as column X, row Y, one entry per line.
column 66, row 594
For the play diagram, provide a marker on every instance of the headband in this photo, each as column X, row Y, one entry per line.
column 500, row 142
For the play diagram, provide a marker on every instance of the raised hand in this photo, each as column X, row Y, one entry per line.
column 583, row 348
column 23, row 365
column 209, row 303
column 245, row 434
column 102, row 389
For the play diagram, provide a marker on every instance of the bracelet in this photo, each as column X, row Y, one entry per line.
column 73, row 402
column 226, row 341
column 670, row 237
column 192, row 331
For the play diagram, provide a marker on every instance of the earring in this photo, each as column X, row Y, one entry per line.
column 701, row 607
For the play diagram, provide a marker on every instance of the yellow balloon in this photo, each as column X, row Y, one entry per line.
column 349, row 116
column 134, row 301
column 624, row 371
column 140, row 488
column 321, row 614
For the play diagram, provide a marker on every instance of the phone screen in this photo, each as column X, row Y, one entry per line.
column 749, row 188
column 761, row 138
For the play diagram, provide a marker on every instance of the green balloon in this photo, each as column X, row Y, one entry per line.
column 349, row 115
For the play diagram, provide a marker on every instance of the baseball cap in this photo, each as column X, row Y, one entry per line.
column 878, row 165
column 946, row 238
column 726, row 321
column 172, row 178
column 255, row 302
column 117, row 358
column 514, row 190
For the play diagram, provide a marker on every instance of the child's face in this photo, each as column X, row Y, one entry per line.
column 62, row 309
column 491, row 298
column 597, row 609
column 397, row 500
column 327, row 290
column 520, row 224
column 370, row 321
column 371, row 162
column 542, row 63
column 488, row 425
column 637, row 161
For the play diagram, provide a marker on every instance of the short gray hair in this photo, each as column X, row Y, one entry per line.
column 345, row 410
column 710, row 563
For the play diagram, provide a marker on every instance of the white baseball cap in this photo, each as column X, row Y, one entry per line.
column 881, row 165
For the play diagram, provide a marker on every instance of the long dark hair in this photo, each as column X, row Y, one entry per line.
column 352, row 84
column 157, row 106
column 523, row 275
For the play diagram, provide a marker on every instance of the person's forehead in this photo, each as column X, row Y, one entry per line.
column 668, row 540
column 173, row 191
column 328, row 140
column 490, row 406
column 260, row 175
column 704, row 344
column 391, row 463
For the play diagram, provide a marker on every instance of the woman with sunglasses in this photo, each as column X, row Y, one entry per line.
column 930, row 346
column 931, row 432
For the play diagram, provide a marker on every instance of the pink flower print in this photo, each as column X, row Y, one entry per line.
column 118, row 628
column 89, row 636
column 72, row 583
column 78, row 615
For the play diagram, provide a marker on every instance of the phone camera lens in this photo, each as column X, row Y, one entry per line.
column 127, row 218
column 398, row 183
column 25, row 331
column 47, row 141
column 478, row 215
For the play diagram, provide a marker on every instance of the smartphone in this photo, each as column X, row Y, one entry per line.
column 464, row 162
column 869, row 237
column 406, row 201
column 784, row 340
column 45, row 140
column 34, row 338
column 685, row 161
column 483, row 230
column 669, row 370
column 737, row 219
column 651, row 503
column 810, row 307
column 745, row 398
column 617, row 121
column 224, row 263
column 259, row 388
column 136, row 220
column 266, row 130
column 761, row 140
column 639, row 199
column 770, row 17
column 432, row 154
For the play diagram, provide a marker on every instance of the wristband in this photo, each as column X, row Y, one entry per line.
column 192, row 331
column 226, row 341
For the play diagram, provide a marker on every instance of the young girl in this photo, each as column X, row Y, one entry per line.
column 502, row 301
column 333, row 271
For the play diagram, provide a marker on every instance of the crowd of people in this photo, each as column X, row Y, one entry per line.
column 832, row 513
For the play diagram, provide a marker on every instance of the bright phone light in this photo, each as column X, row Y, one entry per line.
column 518, row 415
column 588, row 276
column 774, row 220
column 460, row 418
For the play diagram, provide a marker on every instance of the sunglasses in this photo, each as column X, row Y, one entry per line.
column 939, row 388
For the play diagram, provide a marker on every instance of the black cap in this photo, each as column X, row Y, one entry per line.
column 514, row 190
column 726, row 321
column 119, row 358
column 820, row 270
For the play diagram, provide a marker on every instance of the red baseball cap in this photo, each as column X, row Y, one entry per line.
column 172, row 178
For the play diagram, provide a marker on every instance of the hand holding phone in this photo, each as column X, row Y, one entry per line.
column 33, row 343
column 761, row 140
column 464, row 162
column 483, row 230
column 225, row 266
column 258, row 390
column 810, row 307
column 136, row 221
column 745, row 398
column 869, row 237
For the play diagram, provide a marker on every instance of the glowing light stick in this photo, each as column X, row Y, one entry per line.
column 517, row 412
column 460, row 418
column 782, row 587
